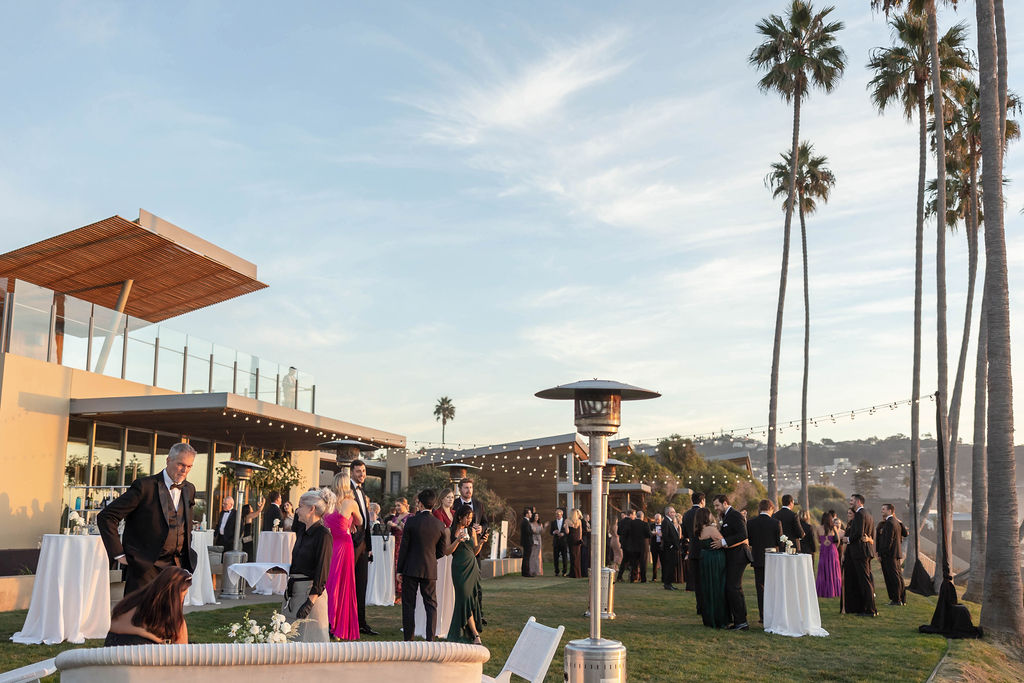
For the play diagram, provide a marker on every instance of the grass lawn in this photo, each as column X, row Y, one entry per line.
column 665, row 638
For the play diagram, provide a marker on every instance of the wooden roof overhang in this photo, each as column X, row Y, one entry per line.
column 173, row 271
column 229, row 418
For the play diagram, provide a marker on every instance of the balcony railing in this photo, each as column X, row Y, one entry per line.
column 42, row 324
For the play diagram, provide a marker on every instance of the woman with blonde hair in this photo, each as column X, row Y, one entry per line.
column 445, row 502
column 576, row 542
column 311, row 563
column 342, row 608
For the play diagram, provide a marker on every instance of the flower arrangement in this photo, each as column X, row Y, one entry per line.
column 277, row 524
column 250, row 631
column 784, row 539
column 75, row 521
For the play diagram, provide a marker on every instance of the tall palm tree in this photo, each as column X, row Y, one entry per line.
column 445, row 412
column 1002, row 610
column 799, row 52
column 975, row 590
column 814, row 182
column 902, row 75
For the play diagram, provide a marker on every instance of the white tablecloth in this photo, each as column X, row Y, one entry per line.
column 380, row 577
column 71, row 593
column 445, row 591
column 275, row 546
column 790, row 600
column 201, row 591
column 254, row 572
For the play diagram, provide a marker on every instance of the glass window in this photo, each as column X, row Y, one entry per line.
column 170, row 360
column 77, row 461
column 141, row 347
column 106, row 456
column 30, row 322
column 107, row 342
column 221, row 487
column 198, row 477
column 268, row 380
column 71, row 331
column 223, row 370
column 198, row 370
column 138, row 461
column 163, row 444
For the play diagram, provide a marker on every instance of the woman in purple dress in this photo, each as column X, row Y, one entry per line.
column 342, row 612
column 829, row 583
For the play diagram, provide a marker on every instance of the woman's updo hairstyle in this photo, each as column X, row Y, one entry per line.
column 321, row 501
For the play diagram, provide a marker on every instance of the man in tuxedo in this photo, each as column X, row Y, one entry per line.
column 858, row 584
column 790, row 522
column 425, row 540
column 625, row 532
column 734, row 538
column 640, row 536
column 480, row 522
column 361, row 543
column 691, row 551
column 157, row 514
column 560, row 541
column 889, row 537
column 668, row 546
column 272, row 511
column 526, row 539
column 655, row 545
column 763, row 532
column 224, row 531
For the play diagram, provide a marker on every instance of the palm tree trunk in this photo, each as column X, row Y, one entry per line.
column 773, row 399
column 805, row 502
column 915, row 405
column 997, row 7
column 1002, row 611
column 942, row 374
column 979, row 466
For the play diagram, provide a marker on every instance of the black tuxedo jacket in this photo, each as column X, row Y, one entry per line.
column 763, row 532
column 654, row 535
column 227, row 540
column 669, row 536
column 638, row 533
column 889, row 537
column 553, row 530
column 790, row 525
column 860, row 530
column 359, row 535
column 525, row 533
column 425, row 540
column 145, row 524
column 733, row 528
column 479, row 513
column 686, row 535
column 271, row 513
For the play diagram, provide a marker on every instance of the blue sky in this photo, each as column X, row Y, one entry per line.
column 482, row 200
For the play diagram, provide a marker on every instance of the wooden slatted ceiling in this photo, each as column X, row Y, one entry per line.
column 90, row 263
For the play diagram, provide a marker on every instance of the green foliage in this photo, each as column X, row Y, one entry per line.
column 817, row 494
column 865, row 481
column 280, row 474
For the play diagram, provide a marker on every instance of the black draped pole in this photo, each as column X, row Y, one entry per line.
column 920, row 582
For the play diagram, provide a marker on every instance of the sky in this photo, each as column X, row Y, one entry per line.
column 482, row 200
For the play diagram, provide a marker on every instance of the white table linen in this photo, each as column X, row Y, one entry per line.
column 790, row 599
column 254, row 572
column 201, row 590
column 380, row 575
column 275, row 546
column 445, row 591
column 71, row 593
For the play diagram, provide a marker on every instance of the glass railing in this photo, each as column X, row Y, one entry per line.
column 40, row 323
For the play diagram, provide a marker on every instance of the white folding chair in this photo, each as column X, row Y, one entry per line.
column 31, row 673
column 531, row 656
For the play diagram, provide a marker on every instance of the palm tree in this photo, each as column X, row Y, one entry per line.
column 902, row 75
column 798, row 52
column 445, row 412
column 1002, row 610
column 975, row 590
column 814, row 181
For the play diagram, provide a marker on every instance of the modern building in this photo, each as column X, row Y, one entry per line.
column 95, row 385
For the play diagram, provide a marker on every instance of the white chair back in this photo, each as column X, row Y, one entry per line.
column 531, row 656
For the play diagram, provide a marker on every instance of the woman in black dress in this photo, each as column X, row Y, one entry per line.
column 311, row 562
column 153, row 613
column 575, row 543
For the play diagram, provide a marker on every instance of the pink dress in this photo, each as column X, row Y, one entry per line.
column 342, row 614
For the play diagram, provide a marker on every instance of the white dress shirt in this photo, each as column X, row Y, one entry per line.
column 175, row 493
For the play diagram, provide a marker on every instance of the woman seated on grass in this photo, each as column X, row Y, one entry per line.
column 153, row 613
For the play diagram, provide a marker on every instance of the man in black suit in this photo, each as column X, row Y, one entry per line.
column 272, row 511
column 480, row 522
column 858, row 584
column 655, row 545
column 763, row 532
column 669, row 547
column 224, row 531
column 425, row 540
column 361, row 543
column 628, row 559
column 640, row 536
column 691, row 550
column 526, row 539
column 734, row 538
column 790, row 522
column 560, row 541
column 889, row 538
column 157, row 514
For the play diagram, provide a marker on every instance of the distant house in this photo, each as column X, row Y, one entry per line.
column 741, row 458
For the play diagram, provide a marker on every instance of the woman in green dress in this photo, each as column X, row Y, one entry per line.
column 466, row 616
column 712, row 570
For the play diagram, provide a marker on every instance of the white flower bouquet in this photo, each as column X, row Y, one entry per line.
column 250, row 631
column 277, row 525
column 76, row 522
column 784, row 539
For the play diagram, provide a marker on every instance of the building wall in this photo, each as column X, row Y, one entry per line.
column 308, row 463
column 34, row 399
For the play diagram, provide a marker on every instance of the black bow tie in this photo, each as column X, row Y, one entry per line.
column 177, row 486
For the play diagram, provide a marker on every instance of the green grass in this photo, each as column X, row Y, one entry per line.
column 663, row 635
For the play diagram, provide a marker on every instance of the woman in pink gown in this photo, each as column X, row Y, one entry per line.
column 829, row 582
column 342, row 613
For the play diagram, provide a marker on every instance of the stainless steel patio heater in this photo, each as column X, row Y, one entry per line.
column 243, row 469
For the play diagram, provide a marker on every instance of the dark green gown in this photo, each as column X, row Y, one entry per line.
column 468, row 594
column 712, row 585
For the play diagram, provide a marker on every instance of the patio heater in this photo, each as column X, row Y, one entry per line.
column 243, row 469
column 346, row 451
column 598, row 406
column 457, row 471
column 607, row 573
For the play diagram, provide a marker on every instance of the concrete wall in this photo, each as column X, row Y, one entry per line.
column 308, row 463
column 34, row 399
